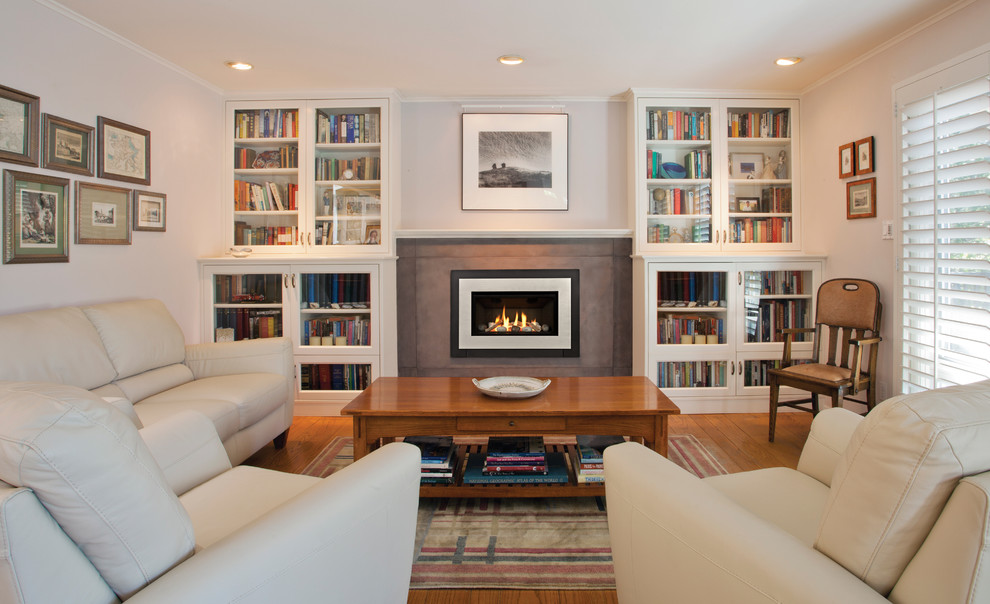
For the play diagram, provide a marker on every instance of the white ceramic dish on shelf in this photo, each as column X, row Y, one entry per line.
column 511, row 386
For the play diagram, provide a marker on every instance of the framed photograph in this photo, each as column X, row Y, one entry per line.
column 861, row 198
column 514, row 161
column 35, row 218
column 19, row 126
column 847, row 166
column 746, row 165
column 149, row 211
column 124, row 152
column 102, row 214
column 864, row 155
column 747, row 204
column 67, row 145
column 373, row 234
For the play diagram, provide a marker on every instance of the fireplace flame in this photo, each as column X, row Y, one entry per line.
column 502, row 324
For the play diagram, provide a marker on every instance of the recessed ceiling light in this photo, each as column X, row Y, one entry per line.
column 510, row 60
column 240, row 66
column 788, row 61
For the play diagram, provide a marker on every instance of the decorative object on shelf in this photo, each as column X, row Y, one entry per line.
column 124, row 152
column 372, row 235
column 102, row 214
column 675, row 236
column 748, row 204
column 780, row 168
column 847, row 165
column 18, row 126
column 861, row 198
column 67, row 146
column 240, row 252
column 746, row 165
column 149, row 211
column 35, row 218
column 511, row 387
column 864, row 156
column 514, row 161
column 267, row 160
column 672, row 170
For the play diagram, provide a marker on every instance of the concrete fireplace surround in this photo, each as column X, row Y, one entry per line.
column 423, row 301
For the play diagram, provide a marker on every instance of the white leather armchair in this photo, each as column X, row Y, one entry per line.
column 891, row 507
column 93, row 511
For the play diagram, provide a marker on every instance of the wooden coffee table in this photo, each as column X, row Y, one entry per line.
column 394, row 407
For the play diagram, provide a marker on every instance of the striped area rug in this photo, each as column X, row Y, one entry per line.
column 502, row 543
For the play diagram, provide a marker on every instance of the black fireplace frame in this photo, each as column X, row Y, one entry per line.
column 574, row 275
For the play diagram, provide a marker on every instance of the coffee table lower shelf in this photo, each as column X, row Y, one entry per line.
column 458, row 489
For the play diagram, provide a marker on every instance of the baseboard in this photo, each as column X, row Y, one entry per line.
column 318, row 408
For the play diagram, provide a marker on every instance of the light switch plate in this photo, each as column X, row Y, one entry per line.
column 887, row 230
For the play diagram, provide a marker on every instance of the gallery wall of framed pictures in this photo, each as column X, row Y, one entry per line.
column 36, row 208
column 856, row 159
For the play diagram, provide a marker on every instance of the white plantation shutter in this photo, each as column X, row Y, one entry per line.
column 945, row 226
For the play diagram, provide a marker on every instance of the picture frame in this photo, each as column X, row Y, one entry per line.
column 19, row 126
column 514, row 161
column 847, row 163
column 861, row 198
column 746, row 165
column 373, row 234
column 102, row 214
column 124, row 152
column 66, row 145
column 149, row 211
column 35, row 218
column 864, row 156
column 747, row 204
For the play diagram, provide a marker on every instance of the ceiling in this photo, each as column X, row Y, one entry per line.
column 448, row 48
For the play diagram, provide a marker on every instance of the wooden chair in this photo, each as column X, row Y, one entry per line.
column 844, row 357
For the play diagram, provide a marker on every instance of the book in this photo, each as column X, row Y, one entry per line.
column 556, row 472
column 591, row 448
column 434, row 450
column 515, row 446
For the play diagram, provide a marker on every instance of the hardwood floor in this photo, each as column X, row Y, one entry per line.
column 738, row 441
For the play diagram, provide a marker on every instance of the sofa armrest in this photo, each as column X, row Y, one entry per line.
column 674, row 535
column 829, row 436
column 269, row 355
column 349, row 538
column 187, row 448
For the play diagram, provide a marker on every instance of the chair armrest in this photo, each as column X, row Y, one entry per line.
column 263, row 355
column 829, row 436
column 187, row 448
column 674, row 535
column 857, row 360
column 788, row 333
column 349, row 538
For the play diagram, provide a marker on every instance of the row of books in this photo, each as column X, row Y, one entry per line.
column 254, row 288
column 673, row 124
column 347, row 232
column 589, row 456
column 698, row 164
column 775, row 200
column 334, row 376
column 763, row 323
column 671, row 328
column 701, row 288
column 760, row 230
column 691, row 374
column 267, row 196
column 286, row 156
column 698, row 232
column 337, row 331
column 676, row 201
column 336, row 290
column 266, row 123
column 776, row 283
column 248, row 323
column 347, row 127
column 438, row 458
column 259, row 235
column 757, row 372
column 760, row 124
column 360, row 168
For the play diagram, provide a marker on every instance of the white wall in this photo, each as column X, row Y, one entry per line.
column 80, row 74
column 431, row 165
column 859, row 103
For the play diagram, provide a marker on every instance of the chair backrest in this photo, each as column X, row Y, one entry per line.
column 846, row 309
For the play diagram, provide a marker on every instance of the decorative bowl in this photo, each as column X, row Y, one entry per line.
column 672, row 170
column 511, row 386
column 240, row 252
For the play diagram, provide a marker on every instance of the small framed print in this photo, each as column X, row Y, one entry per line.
column 124, row 152
column 861, row 198
column 847, row 165
column 748, row 204
column 67, row 145
column 102, row 214
column 35, row 218
column 746, row 165
column 19, row 127
column 149, row 211
column 864, row 155
column 373, row 234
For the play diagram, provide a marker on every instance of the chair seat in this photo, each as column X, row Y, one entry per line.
column 818, row 371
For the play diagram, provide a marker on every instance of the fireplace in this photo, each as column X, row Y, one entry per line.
column 514, row 313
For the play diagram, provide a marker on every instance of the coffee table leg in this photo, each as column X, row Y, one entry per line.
column 658, row 440
column 360, row 438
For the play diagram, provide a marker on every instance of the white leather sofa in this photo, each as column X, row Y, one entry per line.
column 134, row 354
column 92, row 511
column 890, row 507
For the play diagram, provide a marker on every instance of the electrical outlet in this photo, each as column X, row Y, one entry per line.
column 887, row 229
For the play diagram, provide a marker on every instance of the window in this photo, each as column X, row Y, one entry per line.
column 944, row 217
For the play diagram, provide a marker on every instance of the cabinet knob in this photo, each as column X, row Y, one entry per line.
column 512, row 423
column 293, row 280
column 285, row 281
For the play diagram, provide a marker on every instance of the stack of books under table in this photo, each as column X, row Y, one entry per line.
column 437, row 458
column 513, row 460
column 589, row 461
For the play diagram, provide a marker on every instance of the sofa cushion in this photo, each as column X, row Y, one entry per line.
column 902, row 463
column 138, row 335
column 89, row 467
column 141, row 386
column 58, row 345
